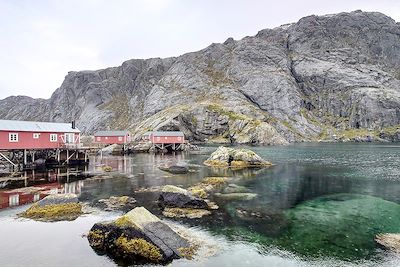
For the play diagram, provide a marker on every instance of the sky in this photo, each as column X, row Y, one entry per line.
column 40, row 41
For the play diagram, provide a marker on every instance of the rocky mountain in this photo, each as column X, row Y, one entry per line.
column 333, row 76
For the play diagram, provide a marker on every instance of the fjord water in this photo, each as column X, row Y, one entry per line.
column 319, row 205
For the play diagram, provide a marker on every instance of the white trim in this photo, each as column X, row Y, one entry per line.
column 36, row 135
column 13, row 137
column 53, row 137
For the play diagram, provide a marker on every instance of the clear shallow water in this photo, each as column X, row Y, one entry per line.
column 304, row 179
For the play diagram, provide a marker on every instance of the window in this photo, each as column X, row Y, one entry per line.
column 106, row 137
column 166, row 138
column 13, row 200
column 158, row 138
column 98, row 138
column 53, row 137
column 36, row 136
column 179, row 138
column 119, row 138
column 13, row 137
column 36, row 197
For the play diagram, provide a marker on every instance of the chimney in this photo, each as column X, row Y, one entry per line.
column 73, row 124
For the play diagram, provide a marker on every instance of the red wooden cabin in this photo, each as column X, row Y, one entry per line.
column 167, row 137
column 37, row 135
column 112, row 137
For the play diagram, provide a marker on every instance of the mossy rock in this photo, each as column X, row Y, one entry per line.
column 235, row 158
column 341, row 225
column 51, row 213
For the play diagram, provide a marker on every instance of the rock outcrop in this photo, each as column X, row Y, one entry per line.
column 138, row 237
column 389, row 241
column 315, row 79
column 235, row 158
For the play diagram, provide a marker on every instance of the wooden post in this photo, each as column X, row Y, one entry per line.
column 67, row 156
column 25, row 159
column 33, row 156
column 58, row 156
column 85, row 156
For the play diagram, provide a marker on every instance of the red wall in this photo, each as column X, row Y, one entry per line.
column 111, row 139
column 26, row 140
column 167, row 139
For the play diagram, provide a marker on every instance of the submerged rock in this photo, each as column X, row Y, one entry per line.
column 115, row 203
column 138, row 237
column 389, row 241
column 236, row 196
column 235, row 158
column 176, row 197
column 234, row 188
column 58, row 207
column 341, row 225
column 175, row 169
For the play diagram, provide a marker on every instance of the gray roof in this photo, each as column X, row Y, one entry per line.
column 111, row 133
column 36, row 126
column 168, row 133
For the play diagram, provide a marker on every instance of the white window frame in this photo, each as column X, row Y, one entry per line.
column 36, row 135
column 119, row 138
column 13, row 200
column 69, row 138
column 53, row 138
column 98, row 138
column 13, row 137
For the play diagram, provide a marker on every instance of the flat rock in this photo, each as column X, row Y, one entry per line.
column 236, row 196
column 185, row 213
column 235, row 158
column 175, row 169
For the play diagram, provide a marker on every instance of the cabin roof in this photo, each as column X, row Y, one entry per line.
column 168, row 133
column 36, row 126
column 111, row 133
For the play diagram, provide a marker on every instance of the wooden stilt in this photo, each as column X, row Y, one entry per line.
column 67, row 156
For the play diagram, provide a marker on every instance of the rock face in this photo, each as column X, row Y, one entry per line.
column 314, row 79
column 235, row 158
column 138, row 237
column 389, row 241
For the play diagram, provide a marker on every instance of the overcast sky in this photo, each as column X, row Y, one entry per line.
column 40, row 41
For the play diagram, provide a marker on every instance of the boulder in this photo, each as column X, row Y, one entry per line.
column 389, row 241
column 111, row 149
column 59, row 207
column 176, row 197
column 138, row 237
column 175, row 169
column 235, row 158
column 142, row 147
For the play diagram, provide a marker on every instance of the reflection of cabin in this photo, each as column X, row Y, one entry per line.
column 37, row 135
column 112, row 137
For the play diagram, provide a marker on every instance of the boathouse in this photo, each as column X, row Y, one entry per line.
column 112, row 137
column 167, row 137
column 37, row 135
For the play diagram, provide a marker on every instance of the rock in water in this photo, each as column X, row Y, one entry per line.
column 389, row 241
column 175, row 169
column 176, row 197
column 235, row 158
column 138, row 237
column 57, row 207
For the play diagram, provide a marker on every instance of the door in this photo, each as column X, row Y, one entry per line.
column 69, row 138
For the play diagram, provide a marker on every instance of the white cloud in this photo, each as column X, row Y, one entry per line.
column 40, row 41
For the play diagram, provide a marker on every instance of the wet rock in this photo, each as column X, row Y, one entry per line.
column 175, row 169
column 185, row 213
column 236, row 196
column 235, row 158
column 137, row 237
column 116, row 203
column 60, row 207
column 111, row 149
column 176, row 197
column 389, row 241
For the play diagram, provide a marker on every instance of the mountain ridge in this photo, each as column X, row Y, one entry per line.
column 318, row 78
